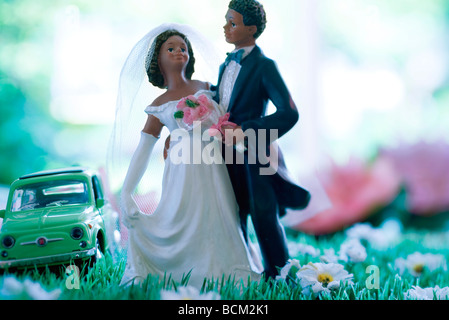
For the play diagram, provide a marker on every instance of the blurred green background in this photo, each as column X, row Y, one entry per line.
column 365, row 74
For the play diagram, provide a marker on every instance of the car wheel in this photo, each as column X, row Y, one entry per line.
column 98, row 253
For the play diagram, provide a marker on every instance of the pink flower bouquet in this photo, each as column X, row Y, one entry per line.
column 191, row 109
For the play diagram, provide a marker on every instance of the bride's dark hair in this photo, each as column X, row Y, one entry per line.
column 152, row 67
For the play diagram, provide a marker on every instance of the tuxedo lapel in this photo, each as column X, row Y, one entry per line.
column 220, row 74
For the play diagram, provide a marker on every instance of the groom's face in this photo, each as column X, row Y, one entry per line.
column 236, row 32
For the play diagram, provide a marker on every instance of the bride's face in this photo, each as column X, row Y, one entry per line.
column 174, row 53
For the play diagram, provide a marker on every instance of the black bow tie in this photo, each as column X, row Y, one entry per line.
column 236, row 56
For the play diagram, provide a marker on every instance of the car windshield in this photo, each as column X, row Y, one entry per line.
column 49, row 194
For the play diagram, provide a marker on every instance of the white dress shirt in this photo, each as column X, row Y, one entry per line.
column 230, row 75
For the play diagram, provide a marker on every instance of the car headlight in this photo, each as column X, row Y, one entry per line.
column 77, row 233
column 8, row 242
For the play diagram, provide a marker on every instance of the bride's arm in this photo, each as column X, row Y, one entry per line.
column 153, row 126
column 139, row 163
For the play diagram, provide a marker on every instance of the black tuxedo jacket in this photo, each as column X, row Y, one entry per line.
column 258, row 82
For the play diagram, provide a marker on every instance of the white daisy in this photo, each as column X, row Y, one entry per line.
column 418, row 293
column 28, row 289
column 329, row 256
column 416, row 262
column 290, row 269
column 319, row 277
column 188, row 293
column 382, row 237
column 350, row 251
column 353, row 251
column 300, row 248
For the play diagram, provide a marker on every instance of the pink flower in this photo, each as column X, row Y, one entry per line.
column 195, row 114
column 355, row 189
column 217, row 128
column 424, row 170
column 184, row 102
column 204, row 101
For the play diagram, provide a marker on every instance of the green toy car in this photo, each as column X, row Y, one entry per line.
column 56, row 217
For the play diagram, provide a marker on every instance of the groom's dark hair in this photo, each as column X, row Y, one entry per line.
column 253, row 14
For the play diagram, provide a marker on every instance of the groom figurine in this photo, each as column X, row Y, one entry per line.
column 247, row 81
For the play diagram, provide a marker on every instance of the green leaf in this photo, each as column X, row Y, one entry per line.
column 179, row 114
column 191, row 104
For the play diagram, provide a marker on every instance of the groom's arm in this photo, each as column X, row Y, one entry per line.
column 286, row 115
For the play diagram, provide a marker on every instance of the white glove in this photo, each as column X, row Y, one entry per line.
column 136, row 170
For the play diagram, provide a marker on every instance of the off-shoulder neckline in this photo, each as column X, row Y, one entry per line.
column 173, row 101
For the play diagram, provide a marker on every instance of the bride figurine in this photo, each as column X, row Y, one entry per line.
column 195, row 229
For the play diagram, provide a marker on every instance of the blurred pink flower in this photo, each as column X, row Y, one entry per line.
column 195, row 114
column 355, row 189
column 204, row 101
column 217, row 128
column 189, row 101
column 424, row 170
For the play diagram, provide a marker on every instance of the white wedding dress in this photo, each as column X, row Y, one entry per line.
column 195, row 227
